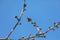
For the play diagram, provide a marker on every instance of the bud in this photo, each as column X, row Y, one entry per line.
column 17, row 18
column 29, row 19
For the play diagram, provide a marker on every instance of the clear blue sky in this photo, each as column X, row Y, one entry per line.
column 44, row 12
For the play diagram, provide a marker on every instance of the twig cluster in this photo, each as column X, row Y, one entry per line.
column 38, row 34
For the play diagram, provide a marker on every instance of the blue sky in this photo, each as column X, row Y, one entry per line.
column 43, row 12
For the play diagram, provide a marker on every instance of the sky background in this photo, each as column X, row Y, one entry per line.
column 43, row 12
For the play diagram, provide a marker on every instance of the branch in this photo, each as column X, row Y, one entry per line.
column 42, row 34
column 38, row 34
column 19, row 19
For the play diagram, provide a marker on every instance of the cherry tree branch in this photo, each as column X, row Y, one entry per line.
column 18, row 19
column 39, row 32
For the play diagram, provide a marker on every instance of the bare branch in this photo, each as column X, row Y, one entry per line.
column 19, row 19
